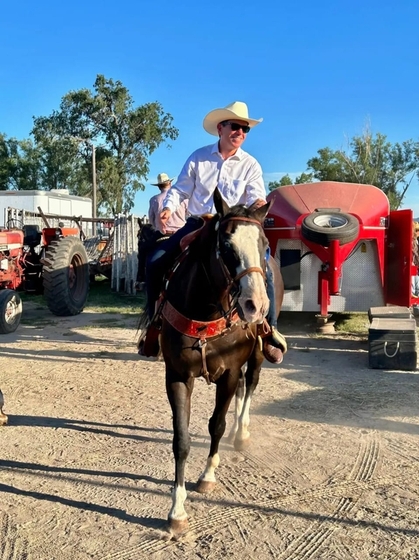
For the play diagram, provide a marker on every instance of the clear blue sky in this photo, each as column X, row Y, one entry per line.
column 317, row 72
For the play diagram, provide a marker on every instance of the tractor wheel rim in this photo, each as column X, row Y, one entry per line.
column 11, row 312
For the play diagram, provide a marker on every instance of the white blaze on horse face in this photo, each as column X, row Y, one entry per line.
column 253, row 299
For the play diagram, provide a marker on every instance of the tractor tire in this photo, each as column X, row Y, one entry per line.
column 326, row 226
column 10, row 311
column 65, row 276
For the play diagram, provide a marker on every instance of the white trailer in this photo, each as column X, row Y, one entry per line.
column 57, row 202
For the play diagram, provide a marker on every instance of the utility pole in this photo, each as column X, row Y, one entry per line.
column 88, row 142
column 94, row 197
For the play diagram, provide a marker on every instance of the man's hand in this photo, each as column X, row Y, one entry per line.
column 165, row 215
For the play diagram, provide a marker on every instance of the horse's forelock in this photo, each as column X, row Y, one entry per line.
column 239, row 211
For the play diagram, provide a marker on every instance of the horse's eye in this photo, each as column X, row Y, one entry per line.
column 226, row 245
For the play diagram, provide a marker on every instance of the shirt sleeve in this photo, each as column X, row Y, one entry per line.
column 184, row 186
column 255, row 188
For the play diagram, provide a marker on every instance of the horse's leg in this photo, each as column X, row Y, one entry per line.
column 238, row 406
column 179, row 395
column 226, row 387
column 242, row 436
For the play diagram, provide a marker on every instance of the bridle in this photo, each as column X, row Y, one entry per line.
column 230, row 281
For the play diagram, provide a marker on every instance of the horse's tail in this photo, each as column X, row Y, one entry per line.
column 143, row 324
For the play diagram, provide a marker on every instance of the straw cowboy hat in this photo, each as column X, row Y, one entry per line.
column 234, row 111
column 162, row 179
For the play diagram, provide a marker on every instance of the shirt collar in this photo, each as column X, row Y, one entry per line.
column 238, row 155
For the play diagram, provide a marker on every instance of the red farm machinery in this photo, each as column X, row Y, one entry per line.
column 49, row 260
column 340, row 248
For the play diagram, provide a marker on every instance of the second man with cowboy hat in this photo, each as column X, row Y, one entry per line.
column 238, row 176
column 177, row 219
column 147, row 239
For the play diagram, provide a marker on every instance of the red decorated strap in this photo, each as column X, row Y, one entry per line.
column 198, row 329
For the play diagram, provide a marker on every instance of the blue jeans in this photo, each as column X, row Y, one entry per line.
column 160, row 261
column 270, row 290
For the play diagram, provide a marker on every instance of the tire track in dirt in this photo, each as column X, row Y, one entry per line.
column 13, row 545
column 148, row 545
column 309, row 543
column 404, row 450
column 268, row 459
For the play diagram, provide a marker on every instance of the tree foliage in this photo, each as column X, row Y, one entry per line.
column 370, row 160
column 19, row 164
column 123, row 137
column 286, row 180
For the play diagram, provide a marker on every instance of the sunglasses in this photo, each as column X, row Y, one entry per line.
column 236, row 126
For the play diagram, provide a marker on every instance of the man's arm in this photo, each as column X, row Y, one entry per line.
column 181, row 190
column 165, row 215
column 255, row 188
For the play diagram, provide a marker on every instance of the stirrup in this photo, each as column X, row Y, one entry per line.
column 278, row 339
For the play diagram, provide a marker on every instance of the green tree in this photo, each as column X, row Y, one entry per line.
column 19, row 164
column 7, row 163
column 125, row 136
column 303, row 178
column 371, row 160
column 286, row 180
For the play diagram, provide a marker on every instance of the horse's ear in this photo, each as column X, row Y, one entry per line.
column 261, row 212
column 220, row 205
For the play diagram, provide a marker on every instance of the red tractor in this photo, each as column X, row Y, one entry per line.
column 53, row 261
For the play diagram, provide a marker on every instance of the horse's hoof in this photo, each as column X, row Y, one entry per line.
column 205, row 486
column 178, row 526
column 3, row 419
column 241, row 444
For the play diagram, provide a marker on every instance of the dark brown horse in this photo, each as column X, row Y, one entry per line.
column 215, row 304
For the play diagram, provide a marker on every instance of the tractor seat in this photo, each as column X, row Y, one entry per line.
column 31, row 235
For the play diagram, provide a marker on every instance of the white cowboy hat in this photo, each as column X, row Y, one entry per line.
column 162, row 178
column 236, row 111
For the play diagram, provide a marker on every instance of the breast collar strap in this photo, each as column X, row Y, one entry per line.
column 199, row 329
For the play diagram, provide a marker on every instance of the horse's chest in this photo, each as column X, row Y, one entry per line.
column 229, row 351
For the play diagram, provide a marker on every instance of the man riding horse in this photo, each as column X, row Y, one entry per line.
column 238, row 176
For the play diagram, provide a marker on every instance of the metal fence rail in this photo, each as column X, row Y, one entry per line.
column 124, row 256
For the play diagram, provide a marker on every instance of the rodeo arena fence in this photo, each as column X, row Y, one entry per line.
column 111, row 243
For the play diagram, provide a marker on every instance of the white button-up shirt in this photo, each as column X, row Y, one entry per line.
column 238, row 178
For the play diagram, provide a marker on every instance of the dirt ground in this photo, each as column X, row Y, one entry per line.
column 86, row 465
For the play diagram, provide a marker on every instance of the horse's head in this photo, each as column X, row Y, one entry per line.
column 242, row 250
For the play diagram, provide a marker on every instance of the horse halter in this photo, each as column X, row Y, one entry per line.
column 230, row 280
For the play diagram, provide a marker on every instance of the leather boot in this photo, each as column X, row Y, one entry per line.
column 274, row 346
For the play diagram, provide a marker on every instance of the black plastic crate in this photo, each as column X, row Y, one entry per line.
column 392, row 344
column 389, row 311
